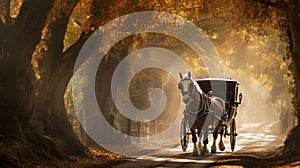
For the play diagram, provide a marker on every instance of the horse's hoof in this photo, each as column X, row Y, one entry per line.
column 204, row 150
column 221, row 147
column 199, row 147
column 195, row 153
column 214, row 150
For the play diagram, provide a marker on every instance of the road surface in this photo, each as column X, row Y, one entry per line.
column 254, row 137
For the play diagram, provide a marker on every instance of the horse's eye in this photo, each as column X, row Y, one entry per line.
column 178, row 86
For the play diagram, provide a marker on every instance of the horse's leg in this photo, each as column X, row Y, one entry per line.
column 194, row 139
column 221, row 144
column 215, row 136
column 205, row 142
column 199, row 139
column 213, row 147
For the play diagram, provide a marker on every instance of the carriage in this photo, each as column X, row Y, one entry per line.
column 227, row 90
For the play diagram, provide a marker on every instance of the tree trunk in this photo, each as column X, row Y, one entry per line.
column 22, row 99
column 292, row 143
column 18, row 42
column 49, row 110
column 294, row 22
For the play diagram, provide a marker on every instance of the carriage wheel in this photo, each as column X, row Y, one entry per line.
column 184, row 137
column 233, row 134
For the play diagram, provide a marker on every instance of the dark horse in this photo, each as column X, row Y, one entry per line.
column 202, row 110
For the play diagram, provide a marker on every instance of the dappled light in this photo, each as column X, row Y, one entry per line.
column 15, row 6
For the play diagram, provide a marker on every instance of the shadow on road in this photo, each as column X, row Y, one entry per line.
column 257, row 159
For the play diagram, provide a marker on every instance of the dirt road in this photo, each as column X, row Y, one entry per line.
column 254, row 137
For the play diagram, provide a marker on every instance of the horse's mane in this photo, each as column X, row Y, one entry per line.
column 197, row 86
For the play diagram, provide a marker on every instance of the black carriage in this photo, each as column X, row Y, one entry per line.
column 227, row 89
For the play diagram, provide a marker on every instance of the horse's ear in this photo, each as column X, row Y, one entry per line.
column 180, row 75
column 190, row 75
column 209, row 94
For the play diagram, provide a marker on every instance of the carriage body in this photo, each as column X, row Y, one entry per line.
column 228, row 90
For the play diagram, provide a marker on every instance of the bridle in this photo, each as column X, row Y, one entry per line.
column 186, row 92
column 205, row 102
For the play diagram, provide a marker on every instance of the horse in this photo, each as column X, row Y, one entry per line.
column 203, row 110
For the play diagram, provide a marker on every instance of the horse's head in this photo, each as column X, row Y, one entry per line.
column 186, row 86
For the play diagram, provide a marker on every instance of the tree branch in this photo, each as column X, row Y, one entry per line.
column 56, row 26
column 32, row 18
column 70, row 55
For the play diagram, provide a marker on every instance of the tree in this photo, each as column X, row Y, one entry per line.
column 32, row 108
column 292, row 143
column 31, row 117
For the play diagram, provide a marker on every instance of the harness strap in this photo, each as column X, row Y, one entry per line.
column 203, row 109
column 206, row 110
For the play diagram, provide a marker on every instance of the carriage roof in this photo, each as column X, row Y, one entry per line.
column 217, row 80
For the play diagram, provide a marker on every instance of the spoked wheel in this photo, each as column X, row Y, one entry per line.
column 184, row 137
column 233, row 134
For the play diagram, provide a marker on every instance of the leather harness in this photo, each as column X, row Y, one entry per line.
column 201, row 112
